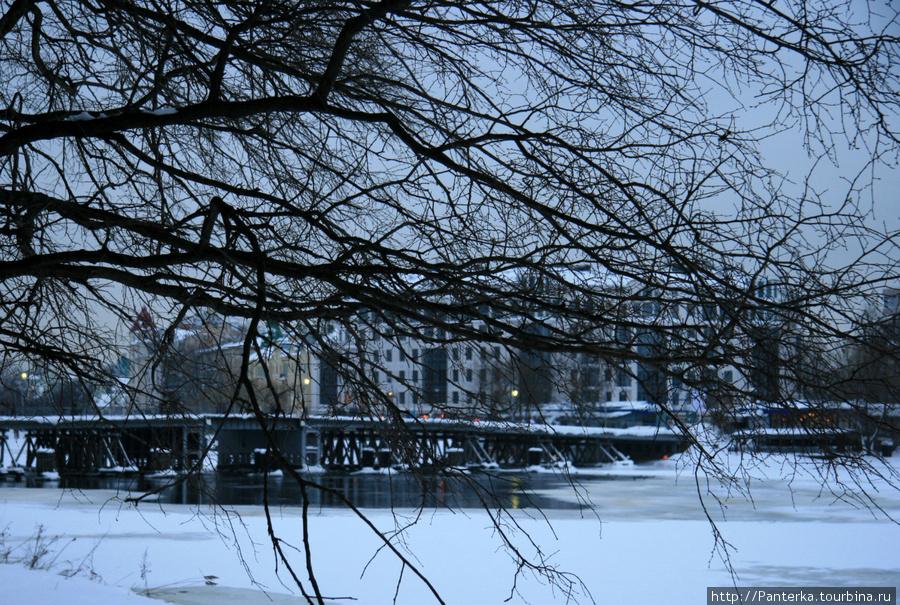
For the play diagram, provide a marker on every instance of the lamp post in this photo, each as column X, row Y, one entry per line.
column 22, row 393
column 514, row 393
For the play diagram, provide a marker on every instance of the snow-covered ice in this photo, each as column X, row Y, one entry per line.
column 648, row 542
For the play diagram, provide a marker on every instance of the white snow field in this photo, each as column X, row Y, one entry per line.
column 649, row 542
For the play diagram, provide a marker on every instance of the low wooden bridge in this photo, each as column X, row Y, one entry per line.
column 146, row 444
column 79, row 445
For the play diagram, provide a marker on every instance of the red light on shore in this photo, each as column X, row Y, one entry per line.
column 425, row 416
column 665, row 457
column 477, row 419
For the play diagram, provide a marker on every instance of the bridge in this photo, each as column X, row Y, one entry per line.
column 90, row 444
column 244, row 443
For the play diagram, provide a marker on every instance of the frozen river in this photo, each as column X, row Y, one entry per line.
column 631, row 535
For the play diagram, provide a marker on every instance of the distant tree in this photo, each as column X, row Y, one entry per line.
column 317, row 165
column 12, row 394
column 872, row 368
column 515, row 384
column 43, row 392
column 869, row 375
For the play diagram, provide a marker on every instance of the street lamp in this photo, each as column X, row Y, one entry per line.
column 22, row 394
column 515, row 409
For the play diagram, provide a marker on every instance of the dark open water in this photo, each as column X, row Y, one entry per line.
column 364, row 490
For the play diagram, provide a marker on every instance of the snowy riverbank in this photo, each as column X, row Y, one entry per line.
column 649, row 541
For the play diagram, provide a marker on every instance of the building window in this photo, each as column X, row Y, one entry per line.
column 455, row 396
column 388, row 355
column 469, row 353
column 469, row 374
column 402, row 398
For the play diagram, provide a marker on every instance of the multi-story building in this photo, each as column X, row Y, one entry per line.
column 656, row 345
column 674, row 352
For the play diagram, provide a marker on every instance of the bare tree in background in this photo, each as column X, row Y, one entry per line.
column 584, row 178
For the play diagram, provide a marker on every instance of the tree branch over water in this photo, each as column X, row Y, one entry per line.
column 525, row 203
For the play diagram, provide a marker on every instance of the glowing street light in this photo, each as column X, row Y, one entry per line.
column 513, row 408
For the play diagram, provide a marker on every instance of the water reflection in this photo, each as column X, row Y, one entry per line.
column 363, row 490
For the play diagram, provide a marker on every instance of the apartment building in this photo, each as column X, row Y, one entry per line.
column 657, row 345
